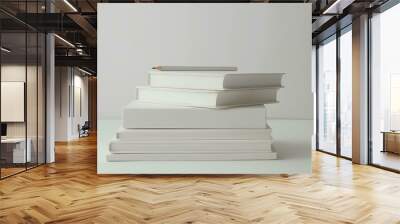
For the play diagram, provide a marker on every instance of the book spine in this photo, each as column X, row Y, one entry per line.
column 192, row 157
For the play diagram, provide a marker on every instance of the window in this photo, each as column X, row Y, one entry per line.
column 385, row 89
column 334, row 94
column 346, row 93
column 394, row 102
column 327, row 96
column 22, row 77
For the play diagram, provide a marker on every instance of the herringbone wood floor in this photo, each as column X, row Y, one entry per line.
column 70, row 191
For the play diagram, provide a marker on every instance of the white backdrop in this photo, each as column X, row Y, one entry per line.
column 255, row 37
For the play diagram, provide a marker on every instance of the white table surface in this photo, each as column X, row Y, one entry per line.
column 12, row 140
column 292, row 142
column 19, row 149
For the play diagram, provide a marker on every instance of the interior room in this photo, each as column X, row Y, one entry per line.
column 93, row 130
column 22, row 105
column 71, row 100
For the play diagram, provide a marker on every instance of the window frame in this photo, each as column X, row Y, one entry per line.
column 334, row 37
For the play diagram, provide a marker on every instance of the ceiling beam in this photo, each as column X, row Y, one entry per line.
column 82, row 61
column 337, row 7
column 49, row 22
column 84, row 24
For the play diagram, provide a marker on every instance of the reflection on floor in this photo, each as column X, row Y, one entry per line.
column 10, row 169
column 346, row 152
column 70, row 191
column 387, row 159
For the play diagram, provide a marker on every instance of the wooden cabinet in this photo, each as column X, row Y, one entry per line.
column 391, row 142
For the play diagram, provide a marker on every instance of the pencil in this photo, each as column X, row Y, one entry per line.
column 195, row 68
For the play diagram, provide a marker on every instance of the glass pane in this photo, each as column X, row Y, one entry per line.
column 14, row 153
column 41, row 99
column 314, row 78
column 327, row 97
column 32, row 95
column 386, row 89
column 346, row 94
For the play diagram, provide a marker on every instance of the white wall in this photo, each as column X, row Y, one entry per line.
column 33, row 127
column 18, row 72
column 255, row 37
column 62, row 81
column 68, row 81
column 80, row 84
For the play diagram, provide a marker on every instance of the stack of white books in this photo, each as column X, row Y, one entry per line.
column 198, row 115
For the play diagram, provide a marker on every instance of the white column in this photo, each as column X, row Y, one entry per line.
column 50, row 100
column 360, row 90
column 50, row 92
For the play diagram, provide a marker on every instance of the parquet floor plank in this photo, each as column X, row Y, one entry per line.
column 70, row 191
